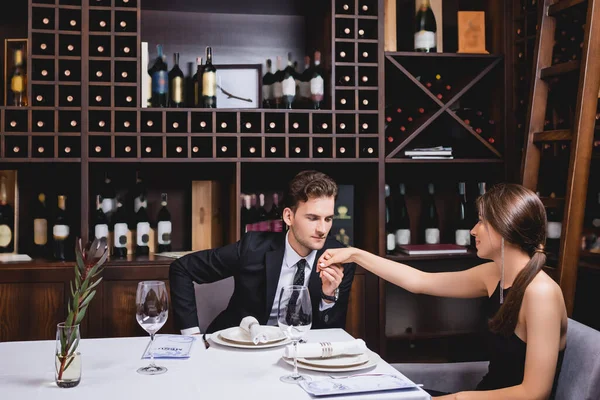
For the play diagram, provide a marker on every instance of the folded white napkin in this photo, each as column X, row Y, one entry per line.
column 251, row 325
column 327, row 349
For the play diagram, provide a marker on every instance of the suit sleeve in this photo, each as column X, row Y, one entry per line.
column 335, row 317
column 204, row 266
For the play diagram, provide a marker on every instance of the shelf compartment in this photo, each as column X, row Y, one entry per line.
column 151, row 147
column 346, row 123
column 345, row 148
column 298, row 123
column 202, row 147
column 177, row 147
column 274, row 147
column 16, row 147
column 99, row 146
column 69, row 96
column 42, row 44
column 177, row 122
column 15, row 121
column 42, row 146
column 298, row 147
column 69, row 147
column 126, row 147
column 251, row 147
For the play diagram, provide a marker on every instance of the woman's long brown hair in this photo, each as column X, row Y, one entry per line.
column 519, row 216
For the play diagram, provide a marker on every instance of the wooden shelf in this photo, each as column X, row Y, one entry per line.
column 561, row 5
column 560, row 69
column 439, row 55
column 401, row 257
column 445, row 161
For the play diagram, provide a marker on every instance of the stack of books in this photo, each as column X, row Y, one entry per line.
column 430, row 153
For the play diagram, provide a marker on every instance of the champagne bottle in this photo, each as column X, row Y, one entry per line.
column 425, row 29
column 263, row 219
column 197, row 78
column 108, row 196
column 18, row 80
column 142, row 229
column 176, row 93
column 462, row 229
column 40, row 226
column 100, row 220
column 429, row 223
column 160, row 80
column 7, row 220
column 120, row 232
column 61, row 230
column 164, row 226
column 267, row 86
column 209, row 81
column 274, row 216
column 277, row 88
column 317, row 83
column 139, row 193
column 402, row 225
column 288, row 84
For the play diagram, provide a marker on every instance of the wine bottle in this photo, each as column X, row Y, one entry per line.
column 390, row 235
column 7, row 220
column 209, row 81
column 429, row 223
column 267, row 86
column 252, row 215
column 317, row 83
column 160, row 80
column 274, row 216
column 164, row 227
column 142, row 230
column 40, row 226
column 288, row 84
column 425, row 29
column 402, row 225
column 263, row 219
column 108, row 196
column 18, row 80
column 462, row 229
column 245, row 213
column 305, row 79
column 197, row 78
column 139, row 193
column 61, row 230
column 277, row 89
column 100, row 220
column 176, row 92
column 120, row 232
column 553, row 229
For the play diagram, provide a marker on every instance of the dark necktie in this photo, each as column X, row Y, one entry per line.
column 299, row 277
column 298, row 281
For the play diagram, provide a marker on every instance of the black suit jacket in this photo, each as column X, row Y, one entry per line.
column 255, row 263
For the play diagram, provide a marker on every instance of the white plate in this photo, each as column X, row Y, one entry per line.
column 216, row 338
column 238, row 335
column 338, row 361
column 374, row 359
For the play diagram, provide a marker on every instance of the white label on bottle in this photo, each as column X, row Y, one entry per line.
column 40, row 231
column 304, row 88
column 317, row 86
column 101, row 231
column 596, row 222
column 424, row 40
column 143, row 233
column 5, row 235
column 60, row 232
column 390, row 242
column 138, row 203
column 432, row 236
column 553, row 230
column 266, row 90
column 164, row 232
column 209, row 84
column 121, row 235
column 462, row 237
column 177, row 94
column 277, row 90
column 108, row 205
column 288, row 86
column 403, row 236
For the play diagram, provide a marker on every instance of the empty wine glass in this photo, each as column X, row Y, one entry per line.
column 294, row 319
column 152, row 310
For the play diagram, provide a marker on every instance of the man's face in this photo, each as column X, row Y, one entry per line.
column 310, row 224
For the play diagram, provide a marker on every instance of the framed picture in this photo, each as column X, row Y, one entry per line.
column 471, row 32
column 10, row 52
column 239, row 85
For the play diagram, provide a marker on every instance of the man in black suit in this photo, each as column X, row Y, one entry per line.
column 264, row 262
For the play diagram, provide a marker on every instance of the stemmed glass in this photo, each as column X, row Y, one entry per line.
column 294, row 319
column 152, row 311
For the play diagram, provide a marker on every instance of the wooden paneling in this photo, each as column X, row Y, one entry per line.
column 355, row 318
column 30, row 311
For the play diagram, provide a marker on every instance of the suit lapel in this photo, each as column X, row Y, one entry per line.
column 273, row 261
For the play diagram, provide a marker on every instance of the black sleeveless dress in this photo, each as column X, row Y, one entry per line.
column 507, row 355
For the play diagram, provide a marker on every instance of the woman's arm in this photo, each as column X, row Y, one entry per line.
column 464, row 284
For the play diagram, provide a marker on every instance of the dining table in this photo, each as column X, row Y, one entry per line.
column 109, row 368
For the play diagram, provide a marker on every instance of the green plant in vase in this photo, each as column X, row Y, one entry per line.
column 88, row 267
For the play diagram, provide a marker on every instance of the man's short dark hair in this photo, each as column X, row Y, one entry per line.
column 309, row 184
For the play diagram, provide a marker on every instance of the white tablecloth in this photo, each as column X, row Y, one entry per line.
column 109, row 372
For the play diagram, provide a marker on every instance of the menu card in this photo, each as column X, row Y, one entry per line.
column 170, row 346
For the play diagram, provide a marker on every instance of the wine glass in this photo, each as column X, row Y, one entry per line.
column 294, row 319
column 152, row 310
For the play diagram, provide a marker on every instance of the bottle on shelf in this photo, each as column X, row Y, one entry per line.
column 100, row 220
column 274, row 216
column 108, row 196
column 462, row 228
column 197, row 79
column 142, row 229
column 402, row 223
column 267, row 86
column 252, row 215
column 40, row 226
column 7, row 220
column 164, row 227
column 425, row 29
column 390, row 235
column 317, row 83
column 160, row 79
column 209, row 81
column 18, row 80
column 176, row 83
column 276, row 87
column 121, row 230
column 139, row 193
column 429, row 219
column 553, row 228
column 288, row 84
column 305, row 78
column 245, row 213
column 263, row 219
column 61, row 231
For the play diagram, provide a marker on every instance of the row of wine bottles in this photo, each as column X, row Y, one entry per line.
column 255, row 217
column 288, row 88
column 397, row 217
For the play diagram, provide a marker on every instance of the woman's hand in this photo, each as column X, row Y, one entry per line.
column 336, row 256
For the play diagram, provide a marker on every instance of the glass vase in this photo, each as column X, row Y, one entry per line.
column 67, row 359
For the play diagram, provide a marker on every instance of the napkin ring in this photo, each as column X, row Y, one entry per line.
column 326, row 349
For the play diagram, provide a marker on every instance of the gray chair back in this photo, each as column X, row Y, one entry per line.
column 579, row 377
column 211, row 299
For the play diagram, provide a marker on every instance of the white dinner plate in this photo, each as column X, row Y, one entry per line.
column 337, row 361
column 216, row 338
column 374, row 359
column 238, row 335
